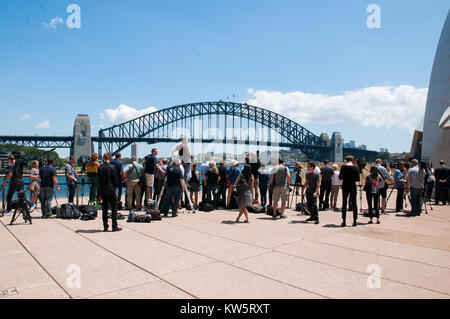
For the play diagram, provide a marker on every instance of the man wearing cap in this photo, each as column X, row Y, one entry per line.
column 416, row 183
column 442, row 180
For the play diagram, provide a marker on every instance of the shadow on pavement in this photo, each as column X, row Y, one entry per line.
column 91, row 231
column 228, row 222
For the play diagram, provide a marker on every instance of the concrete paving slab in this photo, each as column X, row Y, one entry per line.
column 153, row 255
column 220, row 280
column 404, row 271
column 393, row 249
column 21, row 274
column 151, row 290
column 235, row 231
column 57, row 248
column 204, row 244
column 196, row 251
column 415, row 239
column 316, row 277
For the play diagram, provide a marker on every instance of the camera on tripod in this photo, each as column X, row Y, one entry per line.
column 20, row 207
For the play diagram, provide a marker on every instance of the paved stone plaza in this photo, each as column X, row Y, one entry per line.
column 207, row 255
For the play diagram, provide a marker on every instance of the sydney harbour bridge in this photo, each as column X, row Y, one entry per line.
column 225, row 123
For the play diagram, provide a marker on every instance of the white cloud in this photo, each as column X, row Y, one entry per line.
column 53, row 23
column 25, row 117
column 43, row 125
column 124, row 113
column 379, row 106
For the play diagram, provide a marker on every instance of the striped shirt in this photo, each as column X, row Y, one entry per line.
column 416, row 177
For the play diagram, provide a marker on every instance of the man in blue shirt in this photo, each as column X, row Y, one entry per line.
column 48, row 181
column 400, row 181
column 264, row 179
column 232, row 174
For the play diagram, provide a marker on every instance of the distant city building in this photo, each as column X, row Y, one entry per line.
column 350, row 144
column 4, row 161
column 436, row 137
column 384, row 150
column 362, row 147
column 134, row 150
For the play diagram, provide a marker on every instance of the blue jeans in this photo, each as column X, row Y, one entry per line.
column 45, row 196
column 416, row 201
column 174, row 193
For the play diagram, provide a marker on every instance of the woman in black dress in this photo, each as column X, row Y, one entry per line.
column 244, row 184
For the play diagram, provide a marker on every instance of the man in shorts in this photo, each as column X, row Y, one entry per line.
column 280, row 179
column 151, row 165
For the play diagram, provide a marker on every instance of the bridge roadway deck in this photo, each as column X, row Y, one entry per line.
column 206, row 255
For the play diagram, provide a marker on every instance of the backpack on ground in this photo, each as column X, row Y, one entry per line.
column 131, row 217
column 206, row 207
column 143, row 218
column 269, row 211
column 69, row 211
column 233, row 201
column 56, row 211
column 154, row 213
column 298, row 207
column 88, row 212
column 256, row 209
column 138, row 218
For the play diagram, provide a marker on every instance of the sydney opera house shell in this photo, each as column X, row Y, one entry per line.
column 436, row 130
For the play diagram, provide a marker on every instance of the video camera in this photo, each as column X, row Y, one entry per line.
column 82, row 161
column 82, row 181
column 19, row 157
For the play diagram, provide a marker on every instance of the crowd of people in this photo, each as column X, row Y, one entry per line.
column 178, row 182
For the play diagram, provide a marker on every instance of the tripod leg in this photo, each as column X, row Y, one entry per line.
column 160, row 196
column 54, row 194
column 188, row 195
column 13, row 218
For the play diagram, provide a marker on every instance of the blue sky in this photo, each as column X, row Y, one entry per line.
column 163, row 53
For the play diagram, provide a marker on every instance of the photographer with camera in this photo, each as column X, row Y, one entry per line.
column 15, row 177
column 71, row 178
column 416, row 178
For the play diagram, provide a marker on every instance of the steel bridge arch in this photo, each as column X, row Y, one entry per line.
column 142, row 126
